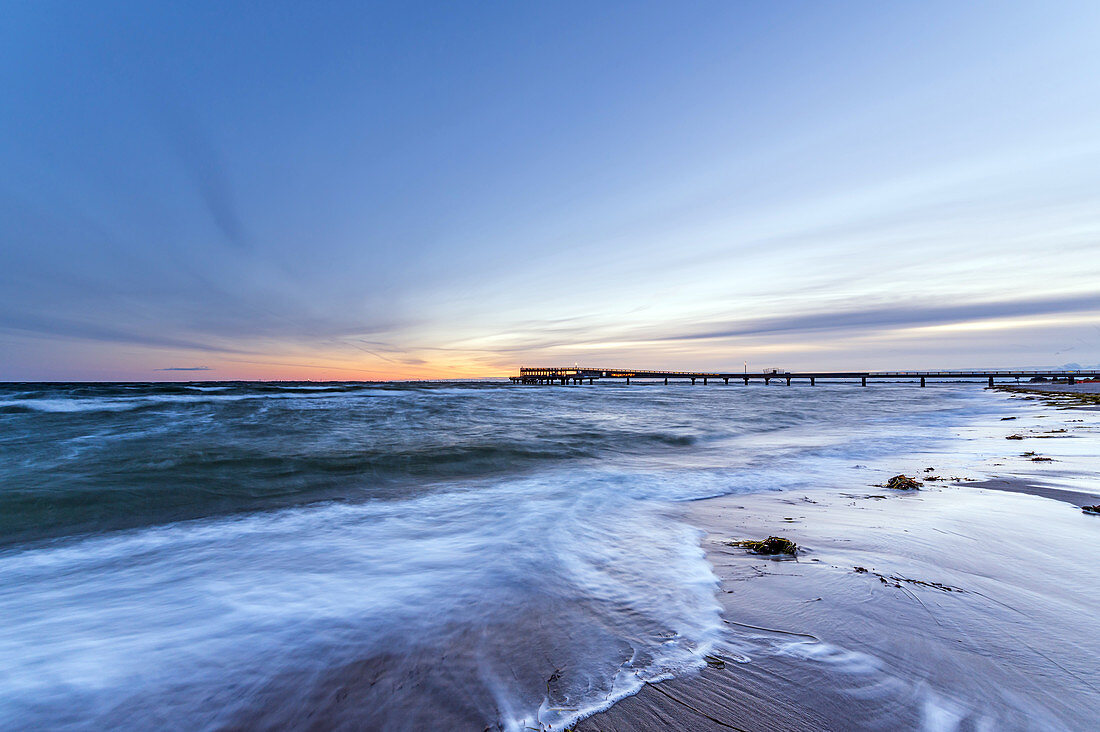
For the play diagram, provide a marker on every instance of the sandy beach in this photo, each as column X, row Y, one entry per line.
column 968, row 604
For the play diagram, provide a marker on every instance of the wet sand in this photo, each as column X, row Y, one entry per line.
column 959, row 606
column 1034, row 488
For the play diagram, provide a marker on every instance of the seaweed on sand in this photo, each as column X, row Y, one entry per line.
column 771, row 545
column 1095, row 510
column 894, row 580
column 903, row 483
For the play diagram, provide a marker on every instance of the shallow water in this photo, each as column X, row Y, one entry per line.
column 397, row 555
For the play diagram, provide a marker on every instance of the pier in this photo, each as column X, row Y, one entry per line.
column 576, row 375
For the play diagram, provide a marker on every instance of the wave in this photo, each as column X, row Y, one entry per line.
column 121, row 404
column 216, row 618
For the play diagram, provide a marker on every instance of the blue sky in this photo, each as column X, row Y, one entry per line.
column 332, row 190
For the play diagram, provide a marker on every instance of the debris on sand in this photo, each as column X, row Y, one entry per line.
column 1040, row 459
column 1005, row 419
column 714, row 661
column 1015, row 437
column 894, row 580
column 1094, row 510
column 1029, row 453
column 903, row 483
column 771, row 545
column 929, row 470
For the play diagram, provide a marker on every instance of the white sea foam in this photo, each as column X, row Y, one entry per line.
column 176, row 610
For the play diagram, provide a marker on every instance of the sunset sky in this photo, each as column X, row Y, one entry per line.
column 417, row 190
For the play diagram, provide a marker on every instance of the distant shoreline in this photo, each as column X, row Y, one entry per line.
column 1048, row 388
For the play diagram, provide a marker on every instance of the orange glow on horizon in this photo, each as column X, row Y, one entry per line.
column 337, row 369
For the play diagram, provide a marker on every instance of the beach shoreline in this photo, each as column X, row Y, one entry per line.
column 966, row 604
column 1084, row 394
column 1087, row 387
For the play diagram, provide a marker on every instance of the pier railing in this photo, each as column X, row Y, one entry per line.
column 578, row 374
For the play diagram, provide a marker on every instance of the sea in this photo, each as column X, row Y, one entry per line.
column 472, row 555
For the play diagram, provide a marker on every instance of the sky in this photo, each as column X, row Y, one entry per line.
column 426, row 190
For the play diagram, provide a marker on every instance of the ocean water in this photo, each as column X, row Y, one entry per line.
column 393, row 556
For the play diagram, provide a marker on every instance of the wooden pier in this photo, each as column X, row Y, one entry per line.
column 576, row 375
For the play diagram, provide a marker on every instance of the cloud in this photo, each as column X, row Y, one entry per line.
column 84, row 330
column 200, row 158
column 818, row 326
column 186, row 368
column 893, row 316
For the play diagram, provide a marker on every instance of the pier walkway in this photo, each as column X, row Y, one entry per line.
column 577, row 375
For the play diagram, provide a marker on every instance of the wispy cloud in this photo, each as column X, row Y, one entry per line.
column 893, row 316
column 186, row 368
